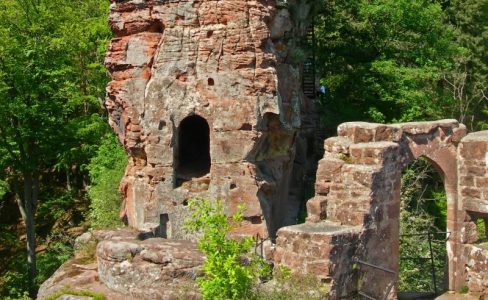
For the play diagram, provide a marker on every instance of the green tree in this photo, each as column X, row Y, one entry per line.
column 467, row 81
column 382, row 60
column 51, row 77
column 106, row 170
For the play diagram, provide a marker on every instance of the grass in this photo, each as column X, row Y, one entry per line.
column 68, row 291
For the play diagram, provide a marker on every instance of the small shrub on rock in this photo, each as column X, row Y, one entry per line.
column 230, row 270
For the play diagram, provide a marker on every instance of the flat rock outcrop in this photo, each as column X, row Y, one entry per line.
column 151, row 269
column 124, row 266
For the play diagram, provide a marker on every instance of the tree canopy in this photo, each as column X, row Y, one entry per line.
column 395, row 60
column 52, row 81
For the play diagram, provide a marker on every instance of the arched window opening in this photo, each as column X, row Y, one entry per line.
column 423, row 232
column 193, row 149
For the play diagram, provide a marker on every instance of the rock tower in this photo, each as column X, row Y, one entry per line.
column 206, row 97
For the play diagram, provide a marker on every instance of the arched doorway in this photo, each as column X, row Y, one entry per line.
column 423, row 232
column 192, row 159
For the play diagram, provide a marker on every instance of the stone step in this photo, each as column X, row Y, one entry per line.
column 457, row 296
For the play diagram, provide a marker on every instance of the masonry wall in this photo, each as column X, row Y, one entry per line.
column 473, row 195
column 358, row 188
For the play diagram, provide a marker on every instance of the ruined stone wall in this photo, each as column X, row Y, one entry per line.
column 473, row 195
column 358, row 192
column 477, row 269
column 229, row 62
column 473, row 174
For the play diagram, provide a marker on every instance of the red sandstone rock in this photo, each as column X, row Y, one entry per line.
column 218, row 60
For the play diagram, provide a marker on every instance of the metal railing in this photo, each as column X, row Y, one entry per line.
column 386, row 270
column 431, row 257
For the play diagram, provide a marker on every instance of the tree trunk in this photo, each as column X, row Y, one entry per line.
column 30, row 200
column 68, row 180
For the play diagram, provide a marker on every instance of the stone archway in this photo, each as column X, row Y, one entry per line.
column 355, row 213
column 437, row 142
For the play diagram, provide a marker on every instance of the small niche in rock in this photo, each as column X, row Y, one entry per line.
column 163, row 226
column 233, row 186
column 159, row 232
column 183, row 77
column 209, row 33
column 161, row 125
column 246, row 127
column 254, row 220
column 145, row 235
column 211, row 82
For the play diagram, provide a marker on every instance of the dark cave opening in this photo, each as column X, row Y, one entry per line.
column 193, row 152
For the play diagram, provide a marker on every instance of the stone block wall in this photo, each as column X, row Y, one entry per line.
column 324, row 250
column 473, row 172
column 477, row 269
column 473, row 195
column 358, row 185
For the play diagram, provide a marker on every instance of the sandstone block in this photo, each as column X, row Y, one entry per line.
column 337, row 145
column 317, row 208
column 329, row 168
column 362, row 132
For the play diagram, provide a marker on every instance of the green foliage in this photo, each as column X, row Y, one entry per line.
column 47, row 263
column 106, row 170
column 464, row 289
column 384, row 60
column 4, row 188
column 467, row 81
column 52, row 81
column 415, row 263
column 68, row 291
column 297, row 55
column 423, row 192
column 13, row 282
column 7, row 238
column 481, row 226
column 345, row 158
column 55, row 206
column 423, row 210
column 229, row 273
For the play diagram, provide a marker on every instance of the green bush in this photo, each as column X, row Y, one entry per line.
column 51, row 260
column 14, row 283
column 230, row 269
column 106, row 171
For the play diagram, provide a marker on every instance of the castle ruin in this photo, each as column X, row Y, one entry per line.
column 208, row 98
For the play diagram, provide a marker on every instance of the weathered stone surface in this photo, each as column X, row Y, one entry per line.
column 477, row 269
column 150, row 269
column 77, row 275
column 337, row 144
column 324, row 249
column 473, row 173
column 130, row 265
column 358, row 184
column 81, row 272
column 362, row 132
column 226, row 62
column 317, row 209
